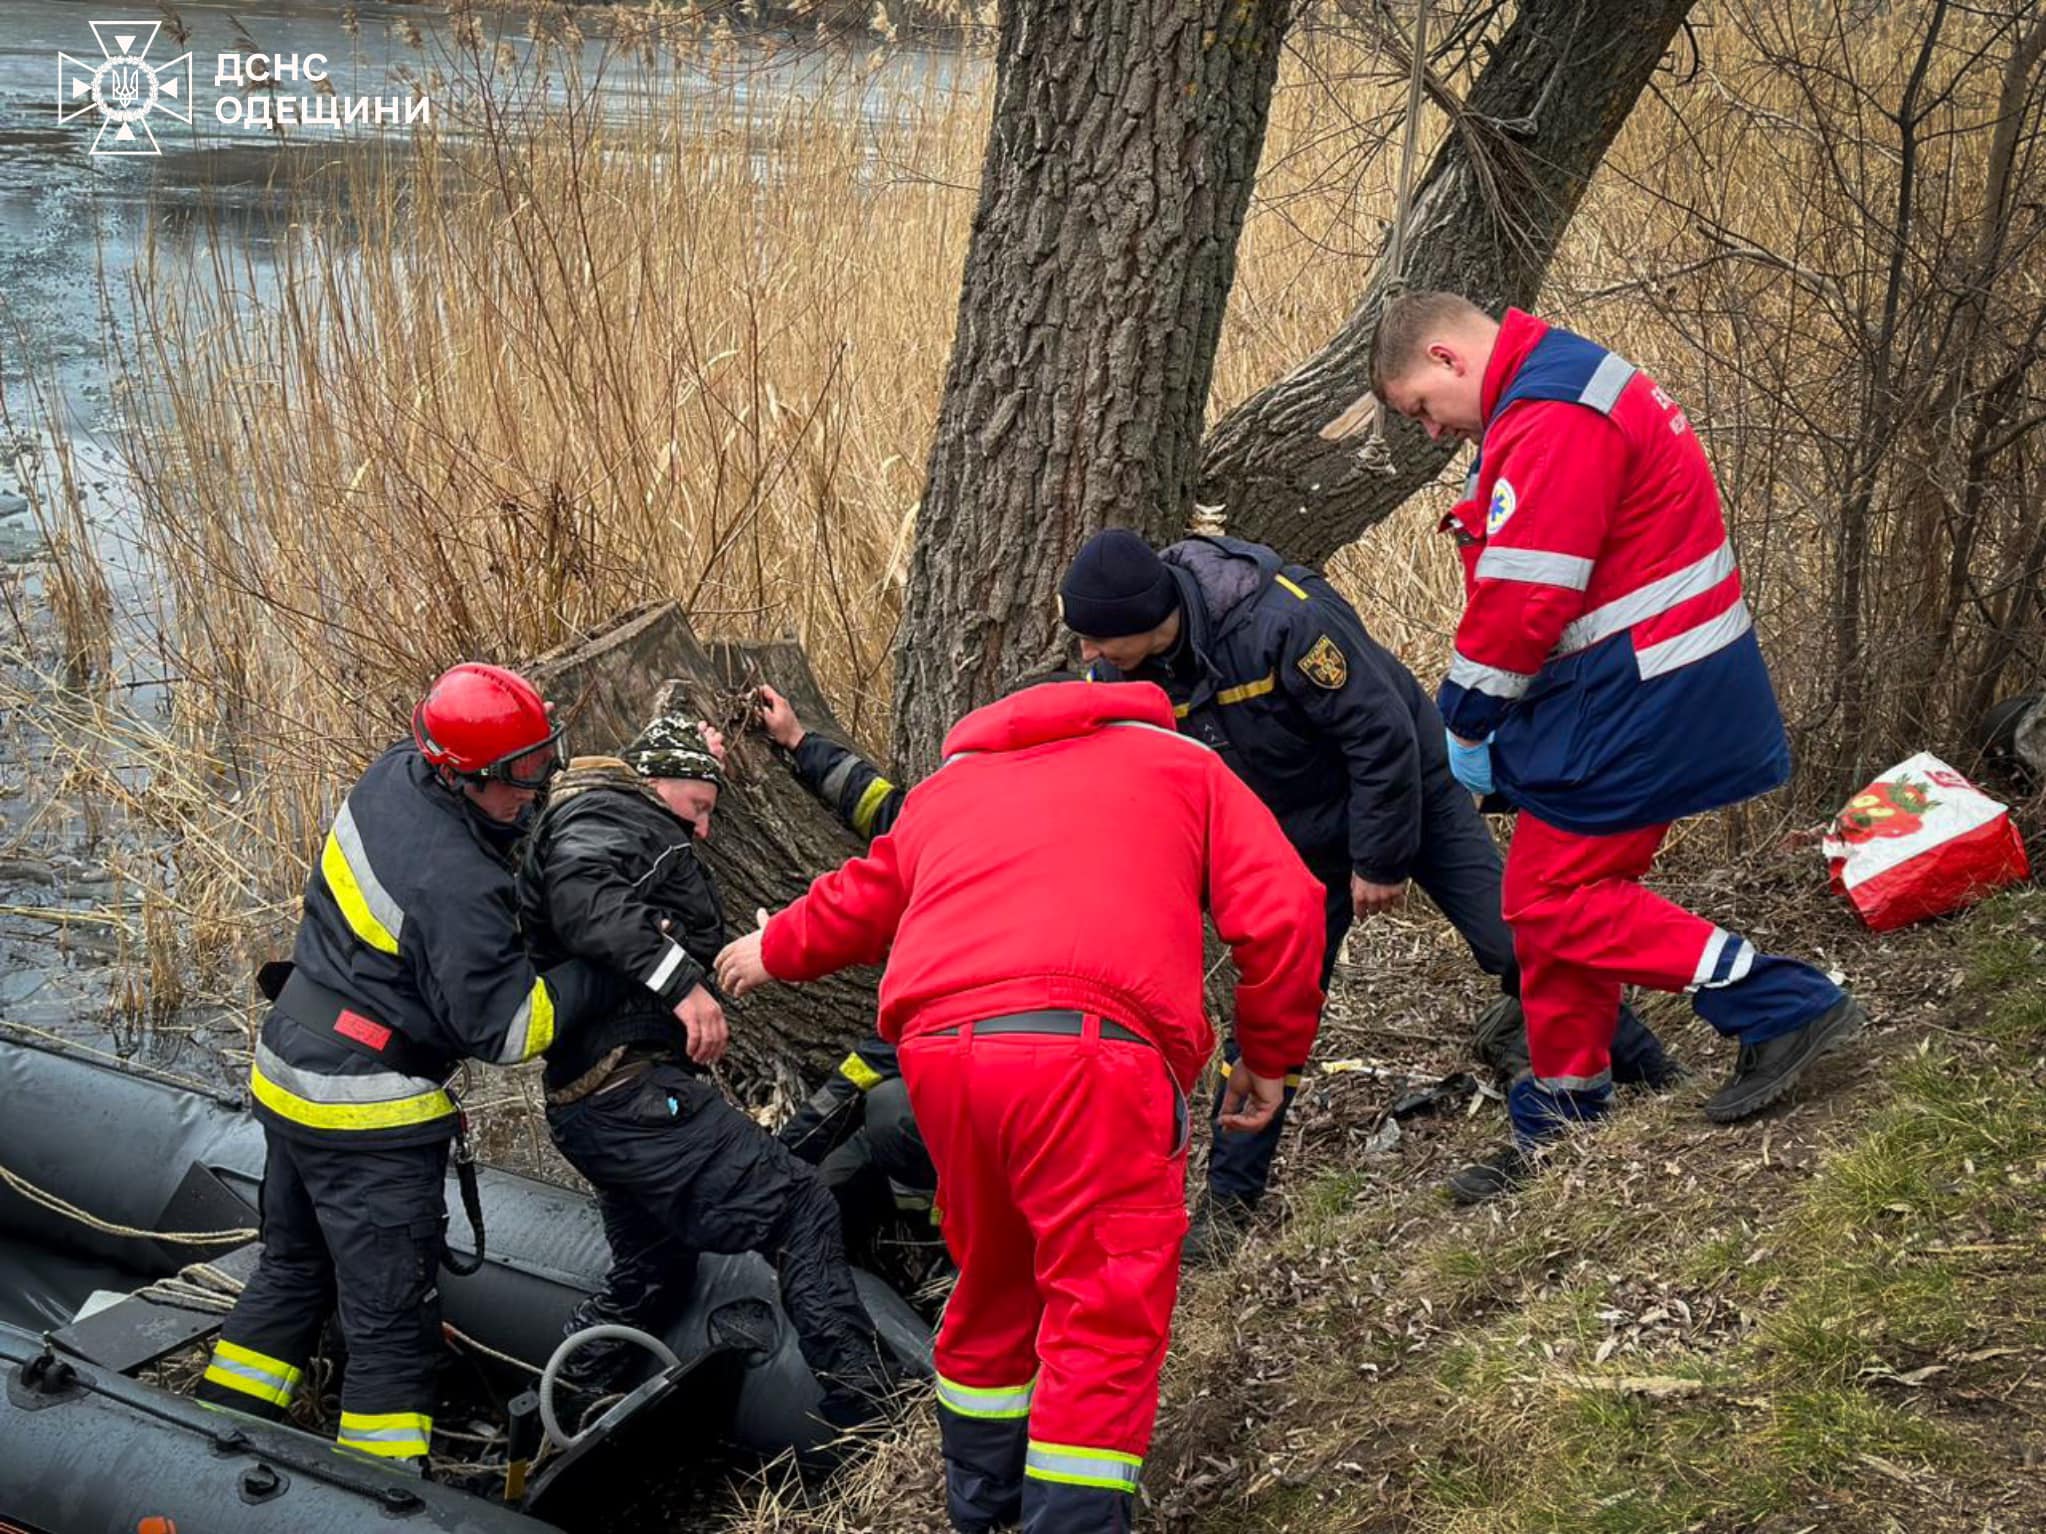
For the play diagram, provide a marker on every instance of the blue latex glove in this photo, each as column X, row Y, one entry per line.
column 1471, row 765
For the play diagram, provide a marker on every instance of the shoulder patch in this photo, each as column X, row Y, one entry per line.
column 1325, row 665
column 1505, row 501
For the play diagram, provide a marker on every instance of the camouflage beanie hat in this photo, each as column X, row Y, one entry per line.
column 671, row 746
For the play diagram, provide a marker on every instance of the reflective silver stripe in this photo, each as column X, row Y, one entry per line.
column 1715, row 950
column 1534, row 565
column 1658, row 596
column 381, row 1435
column 270, row 1387
column 835, row 780
column 1708, row 961
column 1470, row 481
column 1575, row 1083
column 665, row 970
column 374, row 895
column 1466, row 672
column 1074, row 1466
column 1696, row 643
column 1607, row 384
column 317, row 1087
column 999, row 1402
column 515, row 1033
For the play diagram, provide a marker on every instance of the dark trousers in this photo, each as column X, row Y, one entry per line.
column 679, row 1170
column 358, row 1230
column 1459, row 868
column 882, row 1174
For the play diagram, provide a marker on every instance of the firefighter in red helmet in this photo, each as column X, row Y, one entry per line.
column 407, row 962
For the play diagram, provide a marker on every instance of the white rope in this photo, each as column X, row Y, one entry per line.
column 45, row 1199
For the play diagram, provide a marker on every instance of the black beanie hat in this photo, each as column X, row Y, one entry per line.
column 1116, row 586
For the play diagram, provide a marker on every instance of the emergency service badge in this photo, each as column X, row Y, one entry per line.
column 1505, row 501
column 1325, row 664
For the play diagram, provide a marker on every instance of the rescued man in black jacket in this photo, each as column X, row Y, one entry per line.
column 611, row 875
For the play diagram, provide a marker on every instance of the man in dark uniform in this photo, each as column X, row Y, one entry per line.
column 611, row 876
column 408, row 961
column 857, row 1128
column 1267, row 664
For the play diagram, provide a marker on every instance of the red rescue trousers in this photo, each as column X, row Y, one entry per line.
column 1582, row 929
column 1061, row 1176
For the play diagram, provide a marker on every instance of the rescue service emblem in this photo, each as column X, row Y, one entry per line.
column 1325, row 664
column 1505, row 501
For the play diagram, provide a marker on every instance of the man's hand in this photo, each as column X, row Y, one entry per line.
column 704, row 1021
column 740, row 967
column 714, row 742
column 1366, row 897
column 1250, row 1100
column 778, row 718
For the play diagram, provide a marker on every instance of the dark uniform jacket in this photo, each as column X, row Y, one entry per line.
column 411, row 924
column 854, row 790
column 1275, row 671
column 606, row 867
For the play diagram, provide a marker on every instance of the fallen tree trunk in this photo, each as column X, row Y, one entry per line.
column 1486, row 221
column 770, row 836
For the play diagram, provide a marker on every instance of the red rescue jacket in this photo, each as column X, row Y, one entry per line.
column 1605, row 637
column 1062, row 858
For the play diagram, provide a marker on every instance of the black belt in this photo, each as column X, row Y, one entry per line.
column 1065, row 1024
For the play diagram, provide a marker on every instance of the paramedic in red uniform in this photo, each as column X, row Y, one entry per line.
column 1039, row 903
column 1606, row 682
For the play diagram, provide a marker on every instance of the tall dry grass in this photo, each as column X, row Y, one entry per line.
column 681, row 330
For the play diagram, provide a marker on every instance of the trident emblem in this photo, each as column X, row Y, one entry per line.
column 123, row 88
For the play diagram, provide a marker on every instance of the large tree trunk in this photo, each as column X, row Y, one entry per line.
column 1125, row 138
column 1486, row 221
column 770, row 837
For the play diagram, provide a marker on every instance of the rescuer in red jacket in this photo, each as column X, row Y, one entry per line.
column 1039, row 904
column 1606, row 682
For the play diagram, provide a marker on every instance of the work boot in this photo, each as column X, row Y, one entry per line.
column 1217, row 1230
column 1505, row 1171
column 1639, row 1060
column 1764, row 1072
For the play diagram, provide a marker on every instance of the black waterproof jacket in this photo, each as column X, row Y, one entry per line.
column 1276, row 671
column 411, row 925
column 605, row 868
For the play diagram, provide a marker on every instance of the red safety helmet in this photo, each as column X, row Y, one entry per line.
column 486, row 722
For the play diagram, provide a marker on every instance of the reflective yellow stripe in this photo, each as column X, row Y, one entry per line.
column 234, row 1367
column 1070, row 1465
column 1293, row 1079
column 389, row 1435
column 1179, row 710
column 870, row 804
column 859, row 1073
column 986, row 1403
column 1280, row 580
column 1246, row 690
column 394, row 1114
column 532, row 1026
column 348, row 895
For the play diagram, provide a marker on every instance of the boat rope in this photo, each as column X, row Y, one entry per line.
column 456, row 1334
column 43, row 1198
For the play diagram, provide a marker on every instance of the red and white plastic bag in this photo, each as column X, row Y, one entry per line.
column 1919, row 841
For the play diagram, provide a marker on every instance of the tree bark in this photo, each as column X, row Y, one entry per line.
column 1119, row 165
column 770, row 836
column 1487, row 218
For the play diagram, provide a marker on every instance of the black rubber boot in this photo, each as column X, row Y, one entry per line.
column 1217, row 1231
column 1505, row 1171
column 1764, row 1072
